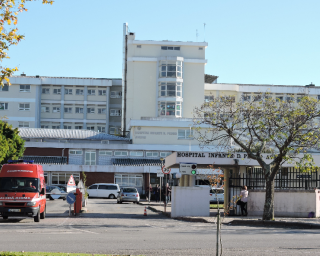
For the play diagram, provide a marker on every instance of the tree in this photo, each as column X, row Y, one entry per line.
column 288, row 129
column 11, row 144
column 9, row 10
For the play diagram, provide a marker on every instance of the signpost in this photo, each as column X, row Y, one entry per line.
column 71, row 198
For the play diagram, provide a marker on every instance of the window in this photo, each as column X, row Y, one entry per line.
column 200, row 48
column 56, row 91
column 105, row 153
column 120, row 153
column 67, row 127
column 55, row 126
column 246, row 97
column 62, row 178
column 279, row 98
column 136, row 153
column 102, row 92
column 115, row 94
column 257, row 97
column 67, row 110
column 115, row 112
column 3, row 106
column 208, row 98
column 45, row 126
column 90, row 158
column 170, row 48
column 101, row 129
column 79, row 110
column 24, row 88
column 24, row 106
column 90, row 110
column 229, row 98
column 102, row 111
column 165, row 154
column 170, row 89
column 4, row 88
column 171, row 69
column 93, row 187
column 113, row 130
column 45, row 109
column 78, row 127
column 79, row 91
column 75, row 152
column 45, row 91
column 132, row 180
column 185, row 134
column 152, row 154
column 169, row 109
column 90, row 127
column 139, row 46
column 23, row 124
column 56, row 110
column 91, row 92
column 68, row 91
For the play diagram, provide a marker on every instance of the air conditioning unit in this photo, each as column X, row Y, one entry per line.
column 104, row 142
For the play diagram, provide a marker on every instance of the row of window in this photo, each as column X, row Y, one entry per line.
column 92, row 127
column 113, row 94
column 22, row 106
column 79, row 110
column 120, row 153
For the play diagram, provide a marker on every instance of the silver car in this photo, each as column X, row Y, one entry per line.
column 128, row 195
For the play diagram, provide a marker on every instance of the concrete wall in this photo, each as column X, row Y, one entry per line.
column 189, row 201
column 287, row 203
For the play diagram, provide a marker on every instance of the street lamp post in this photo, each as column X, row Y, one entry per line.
column 161, row 159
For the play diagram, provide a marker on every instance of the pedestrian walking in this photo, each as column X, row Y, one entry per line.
column 243, row 200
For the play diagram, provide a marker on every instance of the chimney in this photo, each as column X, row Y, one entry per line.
column 131, row 36
column 23, row 74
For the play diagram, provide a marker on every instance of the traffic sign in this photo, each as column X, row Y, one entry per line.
column 71, row 181
column 160, row 174
column 71, row 198
column 166, row 170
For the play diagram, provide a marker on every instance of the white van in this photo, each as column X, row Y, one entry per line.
column 105, row 190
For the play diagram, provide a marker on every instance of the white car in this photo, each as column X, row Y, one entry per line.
column 104, row 190
column 216, row 195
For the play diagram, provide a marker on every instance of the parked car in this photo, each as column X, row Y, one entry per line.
column 128, row 195
column 103, row 190
column 216, row 195
column 55, row 192
column 62, row 188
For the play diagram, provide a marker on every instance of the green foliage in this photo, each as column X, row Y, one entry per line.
column 11, row 144
column 84, row 179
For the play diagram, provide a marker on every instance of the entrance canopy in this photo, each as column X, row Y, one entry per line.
column 204, row 159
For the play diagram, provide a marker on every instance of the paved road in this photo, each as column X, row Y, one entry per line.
column 122, row 229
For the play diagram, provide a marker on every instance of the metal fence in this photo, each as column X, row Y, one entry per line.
column 286, row 178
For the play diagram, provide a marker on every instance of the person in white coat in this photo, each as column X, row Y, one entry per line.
column 243, row 200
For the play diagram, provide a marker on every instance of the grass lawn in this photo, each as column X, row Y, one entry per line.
column 212, row 206
column 49, row 254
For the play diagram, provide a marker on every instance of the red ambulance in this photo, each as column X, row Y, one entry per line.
column 22, row 190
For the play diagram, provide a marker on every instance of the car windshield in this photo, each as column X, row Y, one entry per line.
column 19, row 184
column 130, row 190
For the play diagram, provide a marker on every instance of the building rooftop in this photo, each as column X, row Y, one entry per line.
column 37, row 76
column 37, row 133
column 135, row 162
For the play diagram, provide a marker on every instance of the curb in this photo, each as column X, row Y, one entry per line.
column 275, row 224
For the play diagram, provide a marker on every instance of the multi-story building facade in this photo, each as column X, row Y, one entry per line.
column 63, row 103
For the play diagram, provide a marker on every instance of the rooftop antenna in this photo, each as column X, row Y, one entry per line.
column 197, row 34
column 204, row 29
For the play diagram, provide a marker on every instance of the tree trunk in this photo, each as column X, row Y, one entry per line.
column 268, row 211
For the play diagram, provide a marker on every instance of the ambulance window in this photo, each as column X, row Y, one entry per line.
column 93, row 187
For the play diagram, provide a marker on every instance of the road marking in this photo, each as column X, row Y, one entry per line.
column 82, row 230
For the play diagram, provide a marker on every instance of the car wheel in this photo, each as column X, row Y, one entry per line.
column 43, row 214
column 5, row 217
column 112, row 196
column 138, row 202
column 37, row 217
column 120, row 202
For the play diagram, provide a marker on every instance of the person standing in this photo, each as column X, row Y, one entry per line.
column 243, row 200
column 168, row 189
column 157, row 193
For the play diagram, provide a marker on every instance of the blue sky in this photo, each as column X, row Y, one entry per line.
column 250, row 41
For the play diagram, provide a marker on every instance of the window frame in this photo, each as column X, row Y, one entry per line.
column 186, row 136
column 91, row 152
column 171, row 69
column 23, row 124
column 67, row 112
column 6, row 106
column 115, row 112
column 102, row 92
column 56, row 109
column 122, row 153
column 76, row 152
column 103, row 153
column 24, row 108
column 80, row 110
column 152, row 154
column 47, row 109
column 166, row 88
column 79, row 92
column 45, row 91
column 164, row 110
column 24, row 88
column 91, row 92
column 57, row 91
column 67, row 91
column 89, row 110
column 135, row 153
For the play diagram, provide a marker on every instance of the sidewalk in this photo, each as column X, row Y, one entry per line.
column 256, row 221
